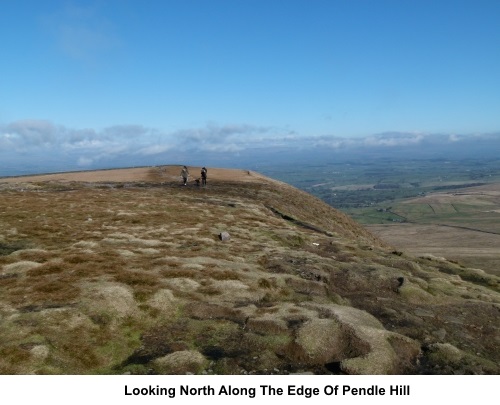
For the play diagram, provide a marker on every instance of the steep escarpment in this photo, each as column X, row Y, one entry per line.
column 130, row 275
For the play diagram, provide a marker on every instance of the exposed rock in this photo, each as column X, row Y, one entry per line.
column 224, row 236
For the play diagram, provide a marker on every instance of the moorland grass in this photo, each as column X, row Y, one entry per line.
column 114, row 279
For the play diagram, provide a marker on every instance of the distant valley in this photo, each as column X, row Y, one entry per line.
column 442, row 207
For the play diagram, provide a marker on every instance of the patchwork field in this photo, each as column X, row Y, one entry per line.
column 463, row 226
column 447, row 207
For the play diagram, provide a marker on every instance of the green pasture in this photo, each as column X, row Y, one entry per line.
column 385, row 191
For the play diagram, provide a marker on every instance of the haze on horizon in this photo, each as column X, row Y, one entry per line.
column 96, row 84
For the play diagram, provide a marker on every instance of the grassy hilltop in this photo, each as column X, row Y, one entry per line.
column 123, row 271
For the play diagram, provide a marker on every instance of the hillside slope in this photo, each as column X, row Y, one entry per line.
column 463, row 225
column 124, row 271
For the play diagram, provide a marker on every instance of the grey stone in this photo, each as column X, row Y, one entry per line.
column 224, row 236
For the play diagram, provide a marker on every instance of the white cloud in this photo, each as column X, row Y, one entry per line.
column 223, row 148
column 136, row 144
column 154, row 150
column 85, row 161
column 331, row 143
column 31, row 132
column 394, row 139
column 219, row 135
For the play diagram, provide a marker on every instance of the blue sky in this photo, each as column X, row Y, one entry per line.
column 83, row 81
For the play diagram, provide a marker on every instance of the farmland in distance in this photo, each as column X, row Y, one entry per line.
column 434, row 207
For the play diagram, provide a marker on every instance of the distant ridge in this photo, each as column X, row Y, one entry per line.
column 131, row 174
column 71, row 171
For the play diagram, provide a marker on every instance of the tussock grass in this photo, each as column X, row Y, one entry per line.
column 6, row 248
column 47, row 268
column 34, row 255
column 144, row 284
column 181, row 362
column 112, row 278
column 53, row 291
column 137, row 278
column 12, row 359
column 221, row 274
column 20, row 267
column 180, row 273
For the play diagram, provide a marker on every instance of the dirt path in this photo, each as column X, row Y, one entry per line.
column 145, row 174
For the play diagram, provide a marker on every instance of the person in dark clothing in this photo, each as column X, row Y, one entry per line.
column 204, row 176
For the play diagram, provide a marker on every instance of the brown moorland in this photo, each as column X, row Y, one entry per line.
column 461, row 225
column 123, row 271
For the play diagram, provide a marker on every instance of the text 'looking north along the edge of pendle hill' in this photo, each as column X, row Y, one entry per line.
column 268, row 390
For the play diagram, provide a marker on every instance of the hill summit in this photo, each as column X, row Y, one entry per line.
column 129, row 271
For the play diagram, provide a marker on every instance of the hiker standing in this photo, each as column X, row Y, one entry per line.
column 185, row 174
column 204, row 176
